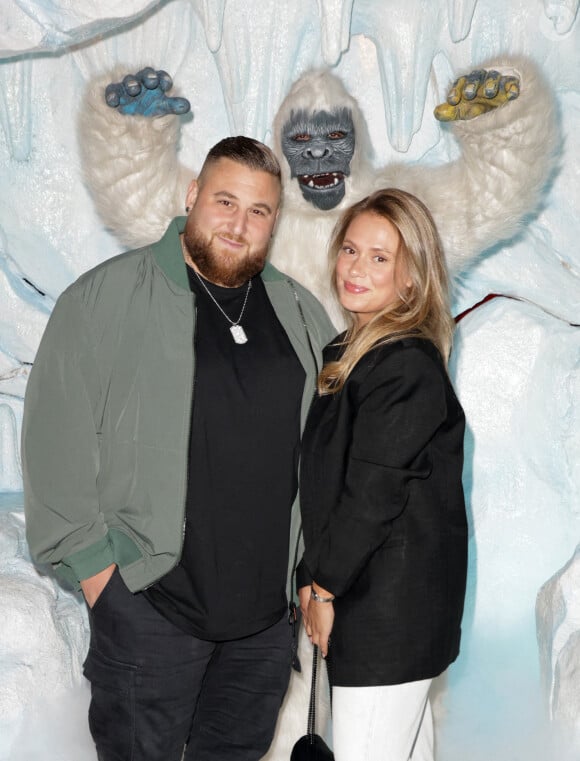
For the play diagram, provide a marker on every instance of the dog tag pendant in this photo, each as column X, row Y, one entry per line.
column 239, row 334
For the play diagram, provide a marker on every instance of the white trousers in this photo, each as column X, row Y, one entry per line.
column 387, row 723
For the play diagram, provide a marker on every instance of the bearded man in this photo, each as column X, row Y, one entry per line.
column 160, row 447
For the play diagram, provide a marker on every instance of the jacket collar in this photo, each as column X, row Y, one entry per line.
column 168, row 255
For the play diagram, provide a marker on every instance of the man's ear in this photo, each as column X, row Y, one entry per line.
column 191, row 195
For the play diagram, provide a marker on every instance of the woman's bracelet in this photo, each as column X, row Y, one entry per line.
column 317, row 598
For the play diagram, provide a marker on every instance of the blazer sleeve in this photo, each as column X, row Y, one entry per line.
column 60, row 451
column 400, row 405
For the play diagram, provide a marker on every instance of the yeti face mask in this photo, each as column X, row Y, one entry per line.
column 319, row 147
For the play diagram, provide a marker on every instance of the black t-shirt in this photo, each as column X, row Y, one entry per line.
column 243, row 455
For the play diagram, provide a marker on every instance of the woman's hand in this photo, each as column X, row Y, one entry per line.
column 320, row 620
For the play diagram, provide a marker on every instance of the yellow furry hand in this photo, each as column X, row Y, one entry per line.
column 476, row 94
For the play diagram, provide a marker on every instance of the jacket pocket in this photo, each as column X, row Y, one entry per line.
column 104, row 591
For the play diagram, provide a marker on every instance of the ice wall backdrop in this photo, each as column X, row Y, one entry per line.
column 514, row 693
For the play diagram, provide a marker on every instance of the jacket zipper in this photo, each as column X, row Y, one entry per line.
column 184, row 519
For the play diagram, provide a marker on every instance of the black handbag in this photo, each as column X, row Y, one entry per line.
column 311, row 747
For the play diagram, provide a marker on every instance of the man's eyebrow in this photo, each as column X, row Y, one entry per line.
column 231, row 196
column 262, row 205
column 225, row 194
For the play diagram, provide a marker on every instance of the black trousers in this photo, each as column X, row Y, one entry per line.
column 156, row 689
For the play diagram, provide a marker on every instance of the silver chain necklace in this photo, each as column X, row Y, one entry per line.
column 236, row 329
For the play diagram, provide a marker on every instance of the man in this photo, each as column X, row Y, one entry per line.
column 160, row 447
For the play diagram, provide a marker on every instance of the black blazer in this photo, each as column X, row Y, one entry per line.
column 383, row 515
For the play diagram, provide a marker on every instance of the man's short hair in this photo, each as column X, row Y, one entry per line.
column 244, row 150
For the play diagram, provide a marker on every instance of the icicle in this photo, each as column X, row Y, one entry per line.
column 10, row 468
column 277, row 43
column 561, row 13
column 335, row 18
column 406, row 45
column 15, row 116
column 460, row 17
column 211, row 13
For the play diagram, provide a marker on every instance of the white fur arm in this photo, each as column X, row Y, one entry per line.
column 131, row 168
column 508, row 155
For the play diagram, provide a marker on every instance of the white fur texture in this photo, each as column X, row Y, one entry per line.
column 507, row 157
column 130, row 166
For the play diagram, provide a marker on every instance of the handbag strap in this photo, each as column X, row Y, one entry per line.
column 311, row 729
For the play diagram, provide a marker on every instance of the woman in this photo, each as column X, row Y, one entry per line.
column 382, row 503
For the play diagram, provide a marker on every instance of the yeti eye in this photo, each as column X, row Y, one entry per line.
column 303, row 137
column 336, row 135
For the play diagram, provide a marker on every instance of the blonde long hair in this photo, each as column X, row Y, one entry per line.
column 422, row 310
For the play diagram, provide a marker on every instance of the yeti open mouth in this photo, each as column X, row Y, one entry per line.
column 321, row 181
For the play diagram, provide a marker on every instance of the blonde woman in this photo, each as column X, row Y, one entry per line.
column 383, row 574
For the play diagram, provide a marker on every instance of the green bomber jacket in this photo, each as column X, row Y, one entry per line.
column 107, row 412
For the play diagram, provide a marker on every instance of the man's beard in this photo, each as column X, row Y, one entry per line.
column 220, row 268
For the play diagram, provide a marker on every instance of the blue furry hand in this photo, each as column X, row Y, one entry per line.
column 476, row 94
column 144, row 94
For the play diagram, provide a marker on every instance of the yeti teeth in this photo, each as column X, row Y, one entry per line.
column 323, row 180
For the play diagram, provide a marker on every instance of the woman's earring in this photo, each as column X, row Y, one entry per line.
column 188, row 209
